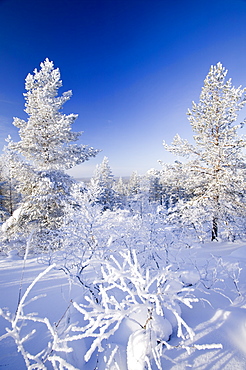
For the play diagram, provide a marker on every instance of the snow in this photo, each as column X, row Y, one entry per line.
column 12, row 219
column 218, row 319
column 119, row 277
column 54, row 292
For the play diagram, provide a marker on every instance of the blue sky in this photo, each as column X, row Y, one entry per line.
column 134, row 67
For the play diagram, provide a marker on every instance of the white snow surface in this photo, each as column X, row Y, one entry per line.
column 218, row 317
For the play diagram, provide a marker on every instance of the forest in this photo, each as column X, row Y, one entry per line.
column 123, row 274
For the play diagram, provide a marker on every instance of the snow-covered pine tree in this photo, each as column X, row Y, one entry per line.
column 2, row 193
column 13, row 167
column 134, row 196
column 120, row 190
column 155, row 186
column 46, row 135
column 101, row 186
column 138, row 193
column 46, row 144
column 2, row 208
column 133, row 187
column 173, row 179
column 120, row 187
column 216, row 167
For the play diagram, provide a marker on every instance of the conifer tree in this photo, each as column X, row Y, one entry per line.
column 46, row 144
column 2, row 198
column 134, row 184
column 120, row 190
column 137, row 190
column 120, row 187
column 46, row 135
column 155, row 186
column 216, row 163
column 101, row 185
column 14, row 174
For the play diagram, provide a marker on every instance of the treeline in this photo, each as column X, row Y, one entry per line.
column 205, row 193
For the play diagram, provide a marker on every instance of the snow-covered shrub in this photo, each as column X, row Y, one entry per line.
column 220, row 275
column 124, row 316
column 134, row 308
column 22, row 334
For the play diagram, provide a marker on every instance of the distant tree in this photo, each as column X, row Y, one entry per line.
column 2, row 198
column 173, row 179
column 133, row 184
column 120, row 190
column 138, row 194
column 101, row 186
column 119, row 186
column 45, row 144
column 216, row 165
column 155, row 186
column 2, row 195
column 12, row 167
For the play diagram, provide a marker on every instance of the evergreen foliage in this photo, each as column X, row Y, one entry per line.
column 101, row 186
column 120, row 189
column 134, row 184
column 45, row 143
column 16, row 176
column 46, row 135
column 217, row 166
column 155, row 186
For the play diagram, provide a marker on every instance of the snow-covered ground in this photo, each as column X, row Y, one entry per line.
column 216, row 272
column 220, row 321
column 53, row 285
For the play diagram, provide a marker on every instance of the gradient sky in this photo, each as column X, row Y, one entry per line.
column 134, row 67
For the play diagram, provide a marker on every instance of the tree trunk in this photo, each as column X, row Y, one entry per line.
column 215, row 229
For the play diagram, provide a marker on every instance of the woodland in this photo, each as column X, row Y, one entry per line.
column 143, row 273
